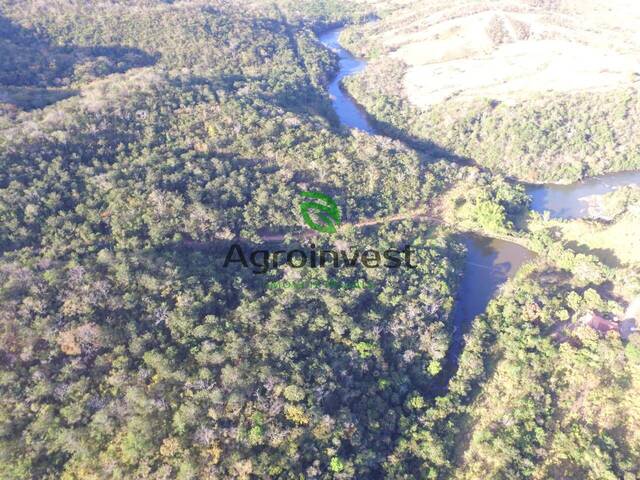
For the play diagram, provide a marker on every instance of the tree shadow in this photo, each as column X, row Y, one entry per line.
column 32, row 98
column 34, row 72
column 605, row 255
column 422, row 145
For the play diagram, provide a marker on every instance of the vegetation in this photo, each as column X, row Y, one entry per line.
column 550, row 136
column 485, row 203
column 613, row 235
column 128, row 351
column 560, row 402
column 139, row 140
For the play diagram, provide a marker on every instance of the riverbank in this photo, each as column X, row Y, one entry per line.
column 545, row 137
column 510, row 392
column 493, row 257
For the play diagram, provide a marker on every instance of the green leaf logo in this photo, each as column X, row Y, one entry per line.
column 327, row 211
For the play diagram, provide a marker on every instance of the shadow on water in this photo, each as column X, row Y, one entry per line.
column 489, row 264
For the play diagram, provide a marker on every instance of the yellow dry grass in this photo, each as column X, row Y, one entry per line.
column 621, row 238
column 506, row 49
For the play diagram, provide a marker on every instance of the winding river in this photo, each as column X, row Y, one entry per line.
column 490, row 262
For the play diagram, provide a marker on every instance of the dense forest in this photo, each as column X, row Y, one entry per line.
column 139, row 139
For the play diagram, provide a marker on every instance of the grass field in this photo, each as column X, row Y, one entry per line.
column 616, row 243
column 506, row 50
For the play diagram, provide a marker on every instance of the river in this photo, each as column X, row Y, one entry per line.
column 571, row 201
column 489, row 262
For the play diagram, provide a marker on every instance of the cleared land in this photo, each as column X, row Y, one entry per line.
column 508, row 50
column 615, row 243
column 613, row 234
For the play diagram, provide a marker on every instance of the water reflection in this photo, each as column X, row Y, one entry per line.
column 348, row 112
column 571, row 201
column 490, row 262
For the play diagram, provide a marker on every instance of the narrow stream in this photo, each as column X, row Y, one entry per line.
column 350, row 114
column 490, row 262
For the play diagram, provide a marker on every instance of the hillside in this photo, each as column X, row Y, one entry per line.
column 508, row 50
column 538, row 90
column 143, row 142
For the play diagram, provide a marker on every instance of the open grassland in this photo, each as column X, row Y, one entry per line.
column 506, row 50
column 613, row 234
column 540, row 91
column 618, row 242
